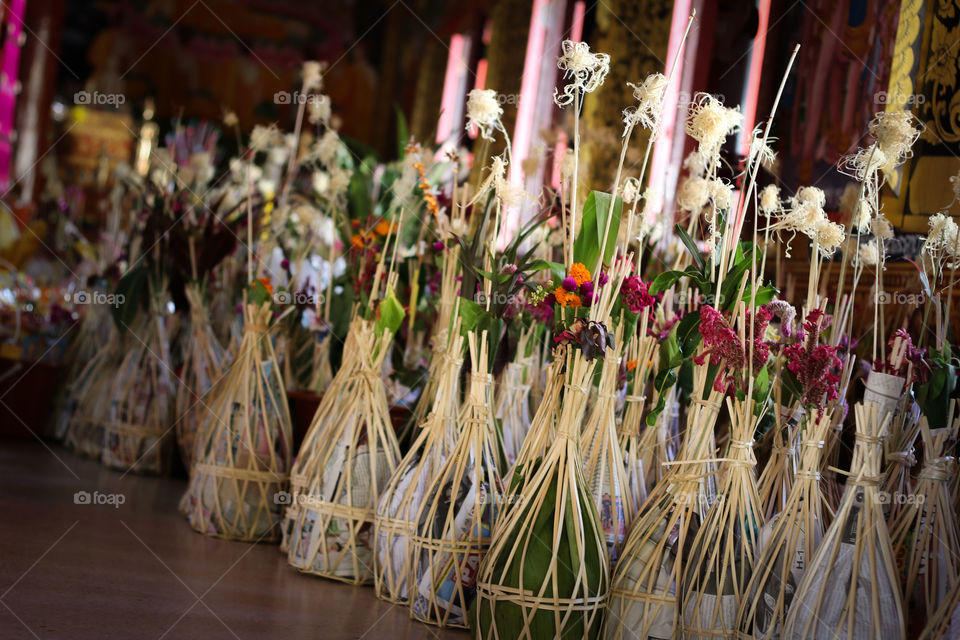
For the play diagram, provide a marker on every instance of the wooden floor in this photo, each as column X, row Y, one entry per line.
column 138, row 571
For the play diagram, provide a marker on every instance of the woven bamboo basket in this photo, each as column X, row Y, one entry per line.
column 603, row 465
column 724, row 549
column 546, row 575
column 541, row 434
column 945, row 622
column 850, row 588
column 926, row 535
column 357, row 452
column 643, row 593
column 400, row 503
column 513, row 400
column 307, row 463
column 84, row 428
column 787, row 541
column 242, row 458
column 138, row 434
column 778, row 474
column 203, row 365
column 635, row 459
column 462, row 502
column 95, row 332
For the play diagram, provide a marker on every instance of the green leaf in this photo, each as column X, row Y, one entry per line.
column 731, row 285
column 688, row 334
column 593, row 218
column 764, row 295
column 403, row 134
column 692, row 248
column 390, row 314
column 664, row 281
column 131, row 289
column 662, row 383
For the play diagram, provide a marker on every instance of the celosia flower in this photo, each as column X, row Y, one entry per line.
column 815, row 366
column 635, row 295
column 585, row 70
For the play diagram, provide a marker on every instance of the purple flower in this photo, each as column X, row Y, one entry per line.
column 586, row 290
column 439, row 246
column 569, row 283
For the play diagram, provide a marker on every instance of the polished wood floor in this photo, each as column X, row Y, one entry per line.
column 137, row 570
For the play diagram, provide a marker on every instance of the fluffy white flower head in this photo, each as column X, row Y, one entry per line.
column 586, row 71
column 484, row 111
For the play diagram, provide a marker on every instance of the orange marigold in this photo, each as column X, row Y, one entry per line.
column 357, row 241
column 631, row 365
column 383, row 227
column 573, row 301
column 580, row 273
column 561, row 295
column 266, row 284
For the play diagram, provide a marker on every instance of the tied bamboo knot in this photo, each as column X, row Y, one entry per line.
column 258, row 328
column 633, row 398
column 937, row 469
column 710, row 404
column 903, row 458
column 812, row 474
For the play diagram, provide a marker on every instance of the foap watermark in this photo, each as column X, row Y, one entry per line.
column 900, row 297
column 495, row 298
column 99, row 499
column 900, row 498
column 686, row 296
column 96, row 99
column 297, row 97
column 98, row 297
column 299, row 298
column 287, row 499
column 882, row 97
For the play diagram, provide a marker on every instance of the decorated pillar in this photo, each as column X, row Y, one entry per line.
column 925, row 78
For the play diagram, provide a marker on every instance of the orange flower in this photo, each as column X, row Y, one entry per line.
column 266, row 284
column 631, row 365
column 580, row 273
column 384, row 227
column 573, row 300
column 357, row 241
column 561, row 295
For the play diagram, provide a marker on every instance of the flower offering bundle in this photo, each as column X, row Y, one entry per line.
column 355, row 456
column 242, row 458
column 641, row 456
column 513, row 398
column 396, row 519
column 788, row 541
column 603, row 465
column 926, row 535
column 137, row 434
column 84, row 430
column 462, row 503
column 851, row 585
column 203, row 364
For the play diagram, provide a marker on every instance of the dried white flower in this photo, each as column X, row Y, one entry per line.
column 695, row 163
column 586, row 71
column 761, row 151
column 868, row 255
column 955, row 185
column 320, row 180
column 484, row 112
column 811, row 194
column 862, row 213
column 709, row 123
column 230, row 119
column 693, row 193
column 649, row 96
column 339, row 181
column 202, row 166
column 829, row 236
column 943, row 239
column 313, row 75
column 770, row 200
column 848, row 198
column 895, row 133
column 863, row 163
column 262, row 138
column 722, row 194
column 881, row 227
column 325, row 149
column 319, row 110
column 631, row 190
